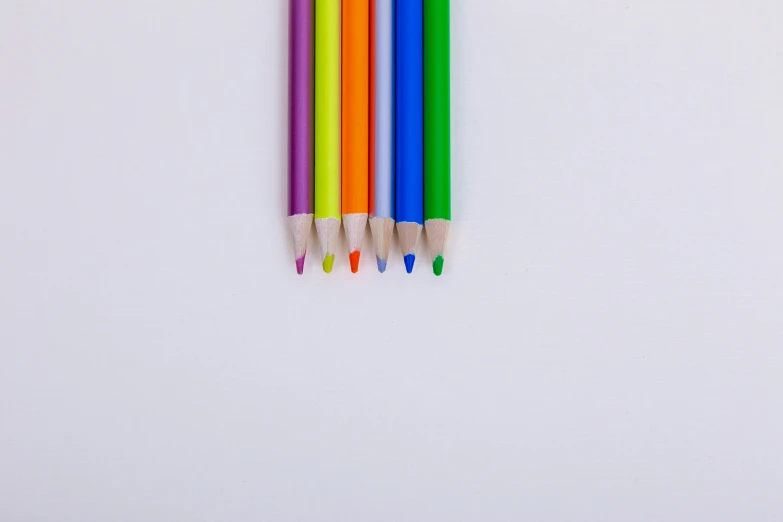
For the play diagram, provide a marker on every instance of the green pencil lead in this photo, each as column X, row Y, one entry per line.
column 437, row 265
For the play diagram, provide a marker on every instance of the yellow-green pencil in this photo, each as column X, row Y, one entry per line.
column 327, row 127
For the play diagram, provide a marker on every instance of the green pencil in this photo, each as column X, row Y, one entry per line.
column 437, row 134
column 327, row 127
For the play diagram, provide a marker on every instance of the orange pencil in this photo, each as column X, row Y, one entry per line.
column 355, row 124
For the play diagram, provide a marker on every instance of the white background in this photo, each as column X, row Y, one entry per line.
column 605, row 343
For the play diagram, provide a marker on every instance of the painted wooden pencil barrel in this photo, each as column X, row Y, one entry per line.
column 437, row 118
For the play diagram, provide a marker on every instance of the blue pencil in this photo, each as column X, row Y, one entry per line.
column 409, row 93
column 382, row 220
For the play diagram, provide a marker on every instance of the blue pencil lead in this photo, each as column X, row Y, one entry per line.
column 409, row 260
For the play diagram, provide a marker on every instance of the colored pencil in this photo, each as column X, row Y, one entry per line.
column 355, row 124
column 409, row 124
column 437, row 136
column 300, row 127
column 327, row 127
column 382, row 107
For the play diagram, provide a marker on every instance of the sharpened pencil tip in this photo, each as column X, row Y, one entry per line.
column 328, row 263
column 354, row 258
column 300, row 264
column 437, row 265
column 381, row 264
column 409, row 260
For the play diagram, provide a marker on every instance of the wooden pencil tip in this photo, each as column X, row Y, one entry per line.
column 381, row 264
column 300, row 229
column 382, row 232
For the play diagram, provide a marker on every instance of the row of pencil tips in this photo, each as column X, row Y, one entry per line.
column 382, row 232
column 369, row 125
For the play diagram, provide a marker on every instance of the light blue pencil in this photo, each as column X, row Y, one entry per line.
column 382, row 221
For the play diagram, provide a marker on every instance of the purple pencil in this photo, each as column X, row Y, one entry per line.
column 300, row 138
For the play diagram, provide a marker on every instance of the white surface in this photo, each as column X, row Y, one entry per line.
column 610, row 351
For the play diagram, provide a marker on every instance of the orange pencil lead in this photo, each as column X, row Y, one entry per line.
column 354, row 258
